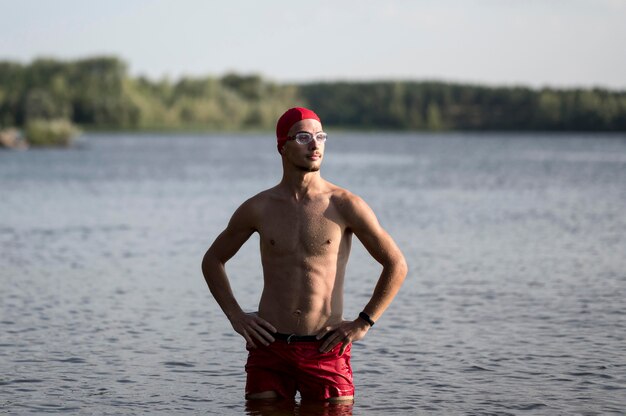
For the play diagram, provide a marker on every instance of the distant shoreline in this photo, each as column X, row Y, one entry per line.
column 340, row 131
column 97, row 93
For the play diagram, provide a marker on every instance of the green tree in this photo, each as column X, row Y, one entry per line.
column 434, row 118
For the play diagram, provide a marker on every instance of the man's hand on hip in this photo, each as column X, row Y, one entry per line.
column 253, row 328
column 344, row 333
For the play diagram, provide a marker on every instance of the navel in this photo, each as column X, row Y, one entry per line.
column 328, row 241
column 297, row 313
column 272, row 242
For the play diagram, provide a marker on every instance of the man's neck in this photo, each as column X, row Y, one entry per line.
column 300, row 184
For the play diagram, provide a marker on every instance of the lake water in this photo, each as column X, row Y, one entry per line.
column 514, row 303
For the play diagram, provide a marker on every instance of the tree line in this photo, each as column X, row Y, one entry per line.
column 99, row 93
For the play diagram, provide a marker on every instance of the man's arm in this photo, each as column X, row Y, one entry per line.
column 362, row 221
column 239, row 229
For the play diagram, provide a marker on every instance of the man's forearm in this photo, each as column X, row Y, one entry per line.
column 389, row 283
column 253, row 328
column 215, row 276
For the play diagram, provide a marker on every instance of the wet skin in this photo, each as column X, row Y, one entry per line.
column 305, row 224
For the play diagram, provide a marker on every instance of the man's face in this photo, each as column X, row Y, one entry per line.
column 306, row 157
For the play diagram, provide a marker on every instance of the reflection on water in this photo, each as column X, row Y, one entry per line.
column 514, row 301
column 299, row 408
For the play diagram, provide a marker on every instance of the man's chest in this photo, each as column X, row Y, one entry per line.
column 313, row 228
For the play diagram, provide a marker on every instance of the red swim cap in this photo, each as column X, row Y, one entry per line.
column 291, row 117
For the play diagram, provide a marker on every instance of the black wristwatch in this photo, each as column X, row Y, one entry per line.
column 366, row 318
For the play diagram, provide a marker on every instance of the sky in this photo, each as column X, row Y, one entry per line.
column 556, row 43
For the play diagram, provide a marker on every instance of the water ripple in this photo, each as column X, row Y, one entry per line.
column 177, row 364
column 513, row 303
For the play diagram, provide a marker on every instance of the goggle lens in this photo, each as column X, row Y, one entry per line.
column 306, row 138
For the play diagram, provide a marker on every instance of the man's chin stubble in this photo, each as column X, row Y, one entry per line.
column 309, row 169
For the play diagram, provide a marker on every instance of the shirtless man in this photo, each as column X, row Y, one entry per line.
column 298, row 339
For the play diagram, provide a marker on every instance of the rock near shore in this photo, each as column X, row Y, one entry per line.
column 11, row 138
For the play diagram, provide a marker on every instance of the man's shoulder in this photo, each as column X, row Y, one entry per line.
column 265, row 195
column 356, row 213
column 251, row 210
column 260, row 199
column 343, row 198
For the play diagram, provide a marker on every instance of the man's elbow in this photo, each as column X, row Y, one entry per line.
column 402, row 268
column 398, row 266
column 209, row 262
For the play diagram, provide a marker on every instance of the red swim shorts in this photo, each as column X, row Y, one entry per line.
column 299, row 366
